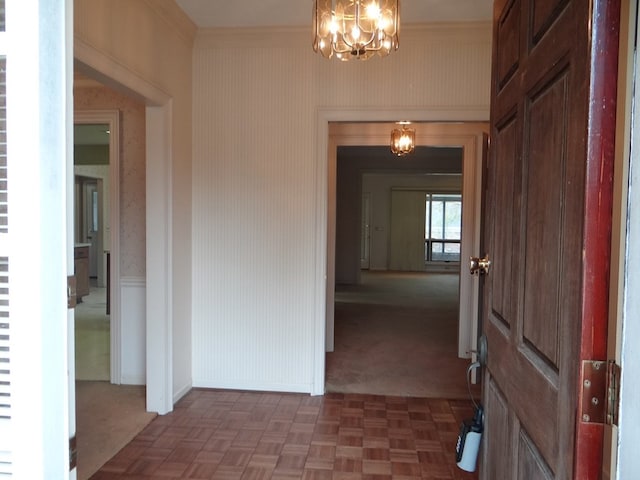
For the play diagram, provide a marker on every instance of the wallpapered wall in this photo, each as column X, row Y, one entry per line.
column 132, row 171
column 257, row 98
column 146, row 47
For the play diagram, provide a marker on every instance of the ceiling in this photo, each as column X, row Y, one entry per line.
column 423, row 160
column 297, row 13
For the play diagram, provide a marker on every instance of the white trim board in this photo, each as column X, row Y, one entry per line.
column 132, row 357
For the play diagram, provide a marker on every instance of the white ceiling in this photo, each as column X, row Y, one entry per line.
column 290, row 13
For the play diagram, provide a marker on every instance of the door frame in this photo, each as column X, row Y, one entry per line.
column 431, row 130
column 112, row 119
column 598, row 219
column 159, row 256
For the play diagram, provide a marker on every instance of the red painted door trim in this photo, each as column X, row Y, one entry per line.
column 605, row 30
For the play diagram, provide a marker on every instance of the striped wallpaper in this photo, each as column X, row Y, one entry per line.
column 257, row 94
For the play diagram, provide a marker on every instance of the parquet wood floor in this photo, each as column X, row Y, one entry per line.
column 222, row 434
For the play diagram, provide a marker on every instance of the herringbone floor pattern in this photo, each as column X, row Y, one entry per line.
column 219, row 434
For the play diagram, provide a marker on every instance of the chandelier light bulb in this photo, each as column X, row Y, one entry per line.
column 373, row 10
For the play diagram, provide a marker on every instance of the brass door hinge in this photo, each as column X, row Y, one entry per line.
column 71, row 292
column 600, row 396
column 613, row 392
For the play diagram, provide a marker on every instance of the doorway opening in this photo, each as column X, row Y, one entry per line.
column 92, row 251
column 397, row 273
column 109, row 347
column 334, row 135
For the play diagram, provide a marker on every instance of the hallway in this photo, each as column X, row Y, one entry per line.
column 397, row 334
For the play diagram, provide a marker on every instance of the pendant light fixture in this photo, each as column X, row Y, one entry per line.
column 355, row 29
column 403, row 140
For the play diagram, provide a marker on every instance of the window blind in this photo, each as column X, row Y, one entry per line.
column 5, row 328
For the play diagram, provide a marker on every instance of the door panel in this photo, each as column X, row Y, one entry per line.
column 530, row 465
column 545, row 157
column 503, row 210
column 508, row 42
column 544, row 14
column 535, row 232
column 497, row 434
column 407, row 230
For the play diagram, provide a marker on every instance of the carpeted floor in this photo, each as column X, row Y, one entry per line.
column 396, row 334
column 107, row 416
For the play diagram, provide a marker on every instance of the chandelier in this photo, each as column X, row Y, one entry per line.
column 356, row 29
column 403, row 140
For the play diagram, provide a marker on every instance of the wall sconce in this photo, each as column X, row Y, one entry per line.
column 403, row 140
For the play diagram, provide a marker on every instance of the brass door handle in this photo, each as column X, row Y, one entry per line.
column 479, row 265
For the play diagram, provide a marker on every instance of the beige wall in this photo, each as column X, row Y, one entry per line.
column 144, row 48
column 245, row 212
column 132, row 175
column 258, row 100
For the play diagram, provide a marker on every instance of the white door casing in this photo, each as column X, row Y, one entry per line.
column 358, row 132
column 159, row 116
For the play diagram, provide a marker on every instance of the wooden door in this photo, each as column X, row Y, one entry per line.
column 407, row 230
column 547, row 233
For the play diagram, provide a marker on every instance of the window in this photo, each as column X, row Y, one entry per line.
column 443, row 227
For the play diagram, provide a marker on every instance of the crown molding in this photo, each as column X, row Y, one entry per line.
column 286, row 36
column 174, row 16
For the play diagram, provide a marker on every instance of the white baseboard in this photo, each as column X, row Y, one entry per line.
column 181, row 392
column 258, row 387
column 133, row 380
